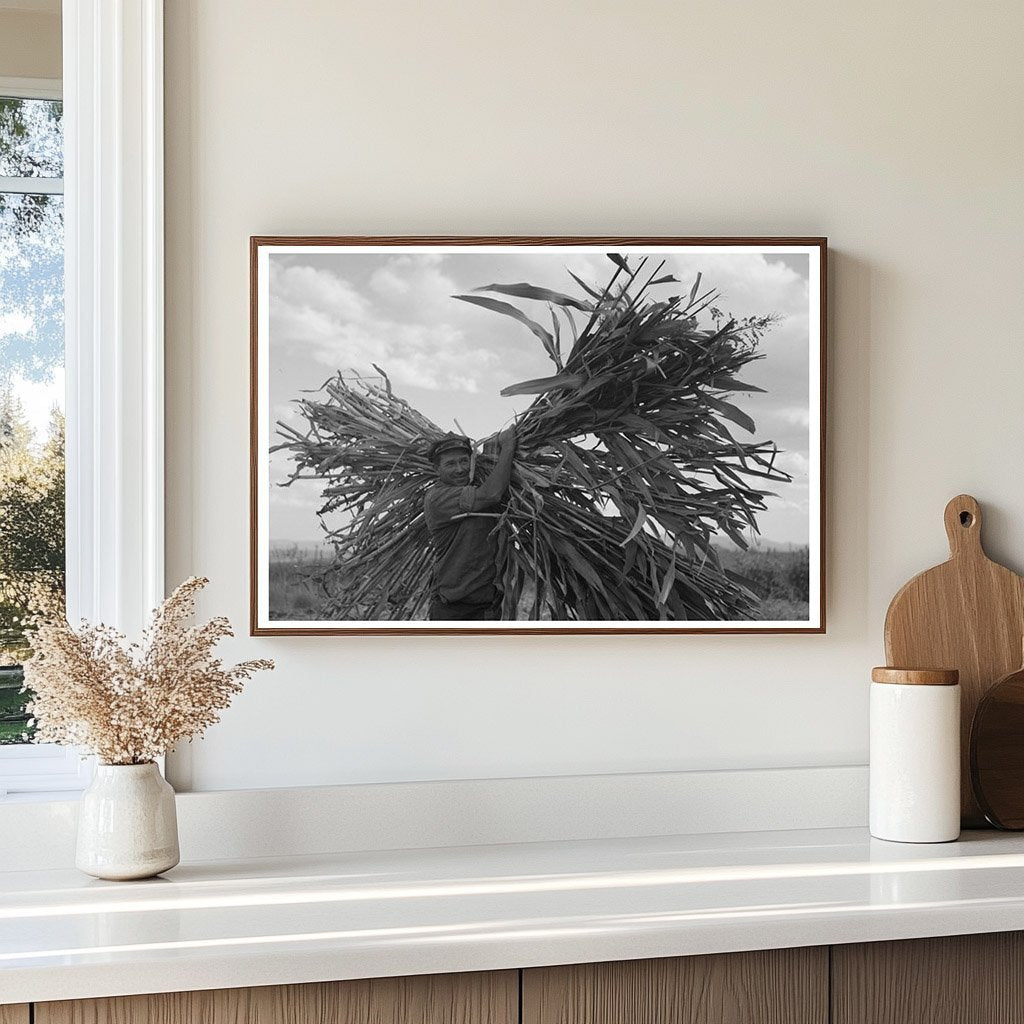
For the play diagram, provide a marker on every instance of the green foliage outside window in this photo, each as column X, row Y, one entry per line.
column 31, row 546
column 31, row 355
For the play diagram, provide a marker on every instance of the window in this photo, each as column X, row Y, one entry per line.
column 32, row 533
column 31, row 381
column 113, row 331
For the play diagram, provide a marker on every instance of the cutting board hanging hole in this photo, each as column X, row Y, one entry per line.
column 963, row 526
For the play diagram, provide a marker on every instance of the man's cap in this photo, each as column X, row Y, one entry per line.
column 449, row 443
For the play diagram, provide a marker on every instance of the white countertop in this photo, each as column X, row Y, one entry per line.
column 223, row 924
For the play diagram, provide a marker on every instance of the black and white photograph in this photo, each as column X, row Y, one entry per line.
column 537, row 435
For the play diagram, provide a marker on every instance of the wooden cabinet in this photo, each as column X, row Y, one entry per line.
column 491, row 998
column 776, row 986
column 962, row 979
column 967, row 979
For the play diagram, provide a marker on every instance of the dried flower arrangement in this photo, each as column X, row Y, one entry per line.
column 130, row 703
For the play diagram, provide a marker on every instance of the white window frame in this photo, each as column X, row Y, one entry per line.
column 31, row 89
column 114, row 321
column 38, row 767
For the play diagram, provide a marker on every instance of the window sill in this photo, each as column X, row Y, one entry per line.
column 48, row 797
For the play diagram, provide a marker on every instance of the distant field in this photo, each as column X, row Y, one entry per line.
column 294, row 593
column 780, row 578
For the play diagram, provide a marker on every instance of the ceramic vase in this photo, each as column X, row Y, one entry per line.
column 127, row 825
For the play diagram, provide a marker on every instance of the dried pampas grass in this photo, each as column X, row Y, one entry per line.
column 129, row 703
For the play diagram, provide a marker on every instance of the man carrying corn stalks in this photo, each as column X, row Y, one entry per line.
column 628, row 471
column 461, row 518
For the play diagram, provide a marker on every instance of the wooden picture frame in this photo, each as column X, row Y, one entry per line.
column 642, row 464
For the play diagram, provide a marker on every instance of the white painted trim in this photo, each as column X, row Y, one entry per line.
column 244, row 824
column 32, row 88
column 38, row 768
column 113, row 83
column 32, row 186
column 114, row 320
column 42, row 768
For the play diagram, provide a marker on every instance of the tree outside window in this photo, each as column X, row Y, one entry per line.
column 31, row 385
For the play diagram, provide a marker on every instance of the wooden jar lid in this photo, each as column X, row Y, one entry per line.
column 916, row 676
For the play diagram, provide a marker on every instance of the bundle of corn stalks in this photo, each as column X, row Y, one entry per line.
column 625, row 473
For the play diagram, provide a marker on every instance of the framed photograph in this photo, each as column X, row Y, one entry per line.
column 537, row 435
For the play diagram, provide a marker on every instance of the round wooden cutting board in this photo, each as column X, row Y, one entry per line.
column 997, row 752
column 967, row 614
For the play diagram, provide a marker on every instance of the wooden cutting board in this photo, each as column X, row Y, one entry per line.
column 997, row 752
column 967, row 614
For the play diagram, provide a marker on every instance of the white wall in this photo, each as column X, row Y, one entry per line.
column 895, row 129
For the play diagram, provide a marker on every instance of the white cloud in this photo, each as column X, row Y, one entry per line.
column 799, row 416
column 413, row 281
column 309, row 288
column 748, row 284
column 316, row 313
column 38, row 399
column 795, row 464
column 286, row 412
column 792, row 503
column 15, row 321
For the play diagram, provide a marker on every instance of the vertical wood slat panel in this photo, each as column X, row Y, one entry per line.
column 477, row 998
column 777, row 986
column 959, row 979
column 14, row 1014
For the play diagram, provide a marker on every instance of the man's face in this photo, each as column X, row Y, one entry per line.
column 453, row 468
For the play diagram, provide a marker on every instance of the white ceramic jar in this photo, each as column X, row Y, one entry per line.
column 127, row 823
column 915, row 755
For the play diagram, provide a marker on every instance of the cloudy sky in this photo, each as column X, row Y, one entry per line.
column 450, row 359
column 31, row 337
column 32, row 270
